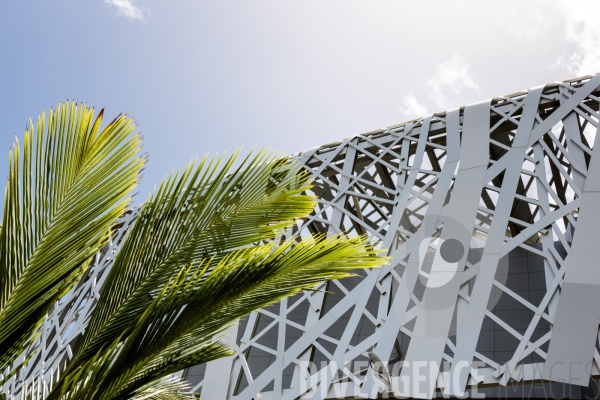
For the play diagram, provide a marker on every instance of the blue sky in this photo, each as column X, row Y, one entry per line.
column 206, row 76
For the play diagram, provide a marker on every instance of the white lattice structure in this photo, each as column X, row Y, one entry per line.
column 511, row 183
column 65, row 323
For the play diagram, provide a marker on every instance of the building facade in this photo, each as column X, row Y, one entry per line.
column 489, row 212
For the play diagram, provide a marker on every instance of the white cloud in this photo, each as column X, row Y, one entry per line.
column 582, row 28
column 127, row 9
column 445, row 87
column 450, row 76
column 412, row 108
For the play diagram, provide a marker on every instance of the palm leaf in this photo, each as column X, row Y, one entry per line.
column 82, row 383
column 204, row 212
column 67, row 184
column 201, row 255
column 178, row 329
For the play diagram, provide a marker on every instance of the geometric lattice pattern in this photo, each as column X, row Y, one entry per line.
column 65, row 323
column 512, row 183
column 512, row 172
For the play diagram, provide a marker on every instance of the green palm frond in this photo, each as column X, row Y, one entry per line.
column 201, row 255
column 203, row 213
column 177, row 330
column 82, row 383
column 67, row 184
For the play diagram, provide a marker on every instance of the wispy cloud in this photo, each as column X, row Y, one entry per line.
column 127, row 9
column 411, row 107
column 583, row 30
column 451, row 78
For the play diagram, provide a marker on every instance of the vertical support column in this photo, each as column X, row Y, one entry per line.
column 437, row 307
column 390, row 329
column 576, row 155
column 217, row 377
column 278, row 384
column 575, row 327
column 468, row 331
column 547, row 240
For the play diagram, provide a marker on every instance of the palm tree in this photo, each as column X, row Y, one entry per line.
column 208, row 247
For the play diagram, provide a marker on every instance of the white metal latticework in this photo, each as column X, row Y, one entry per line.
column 65, row 323
column 489, row 215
